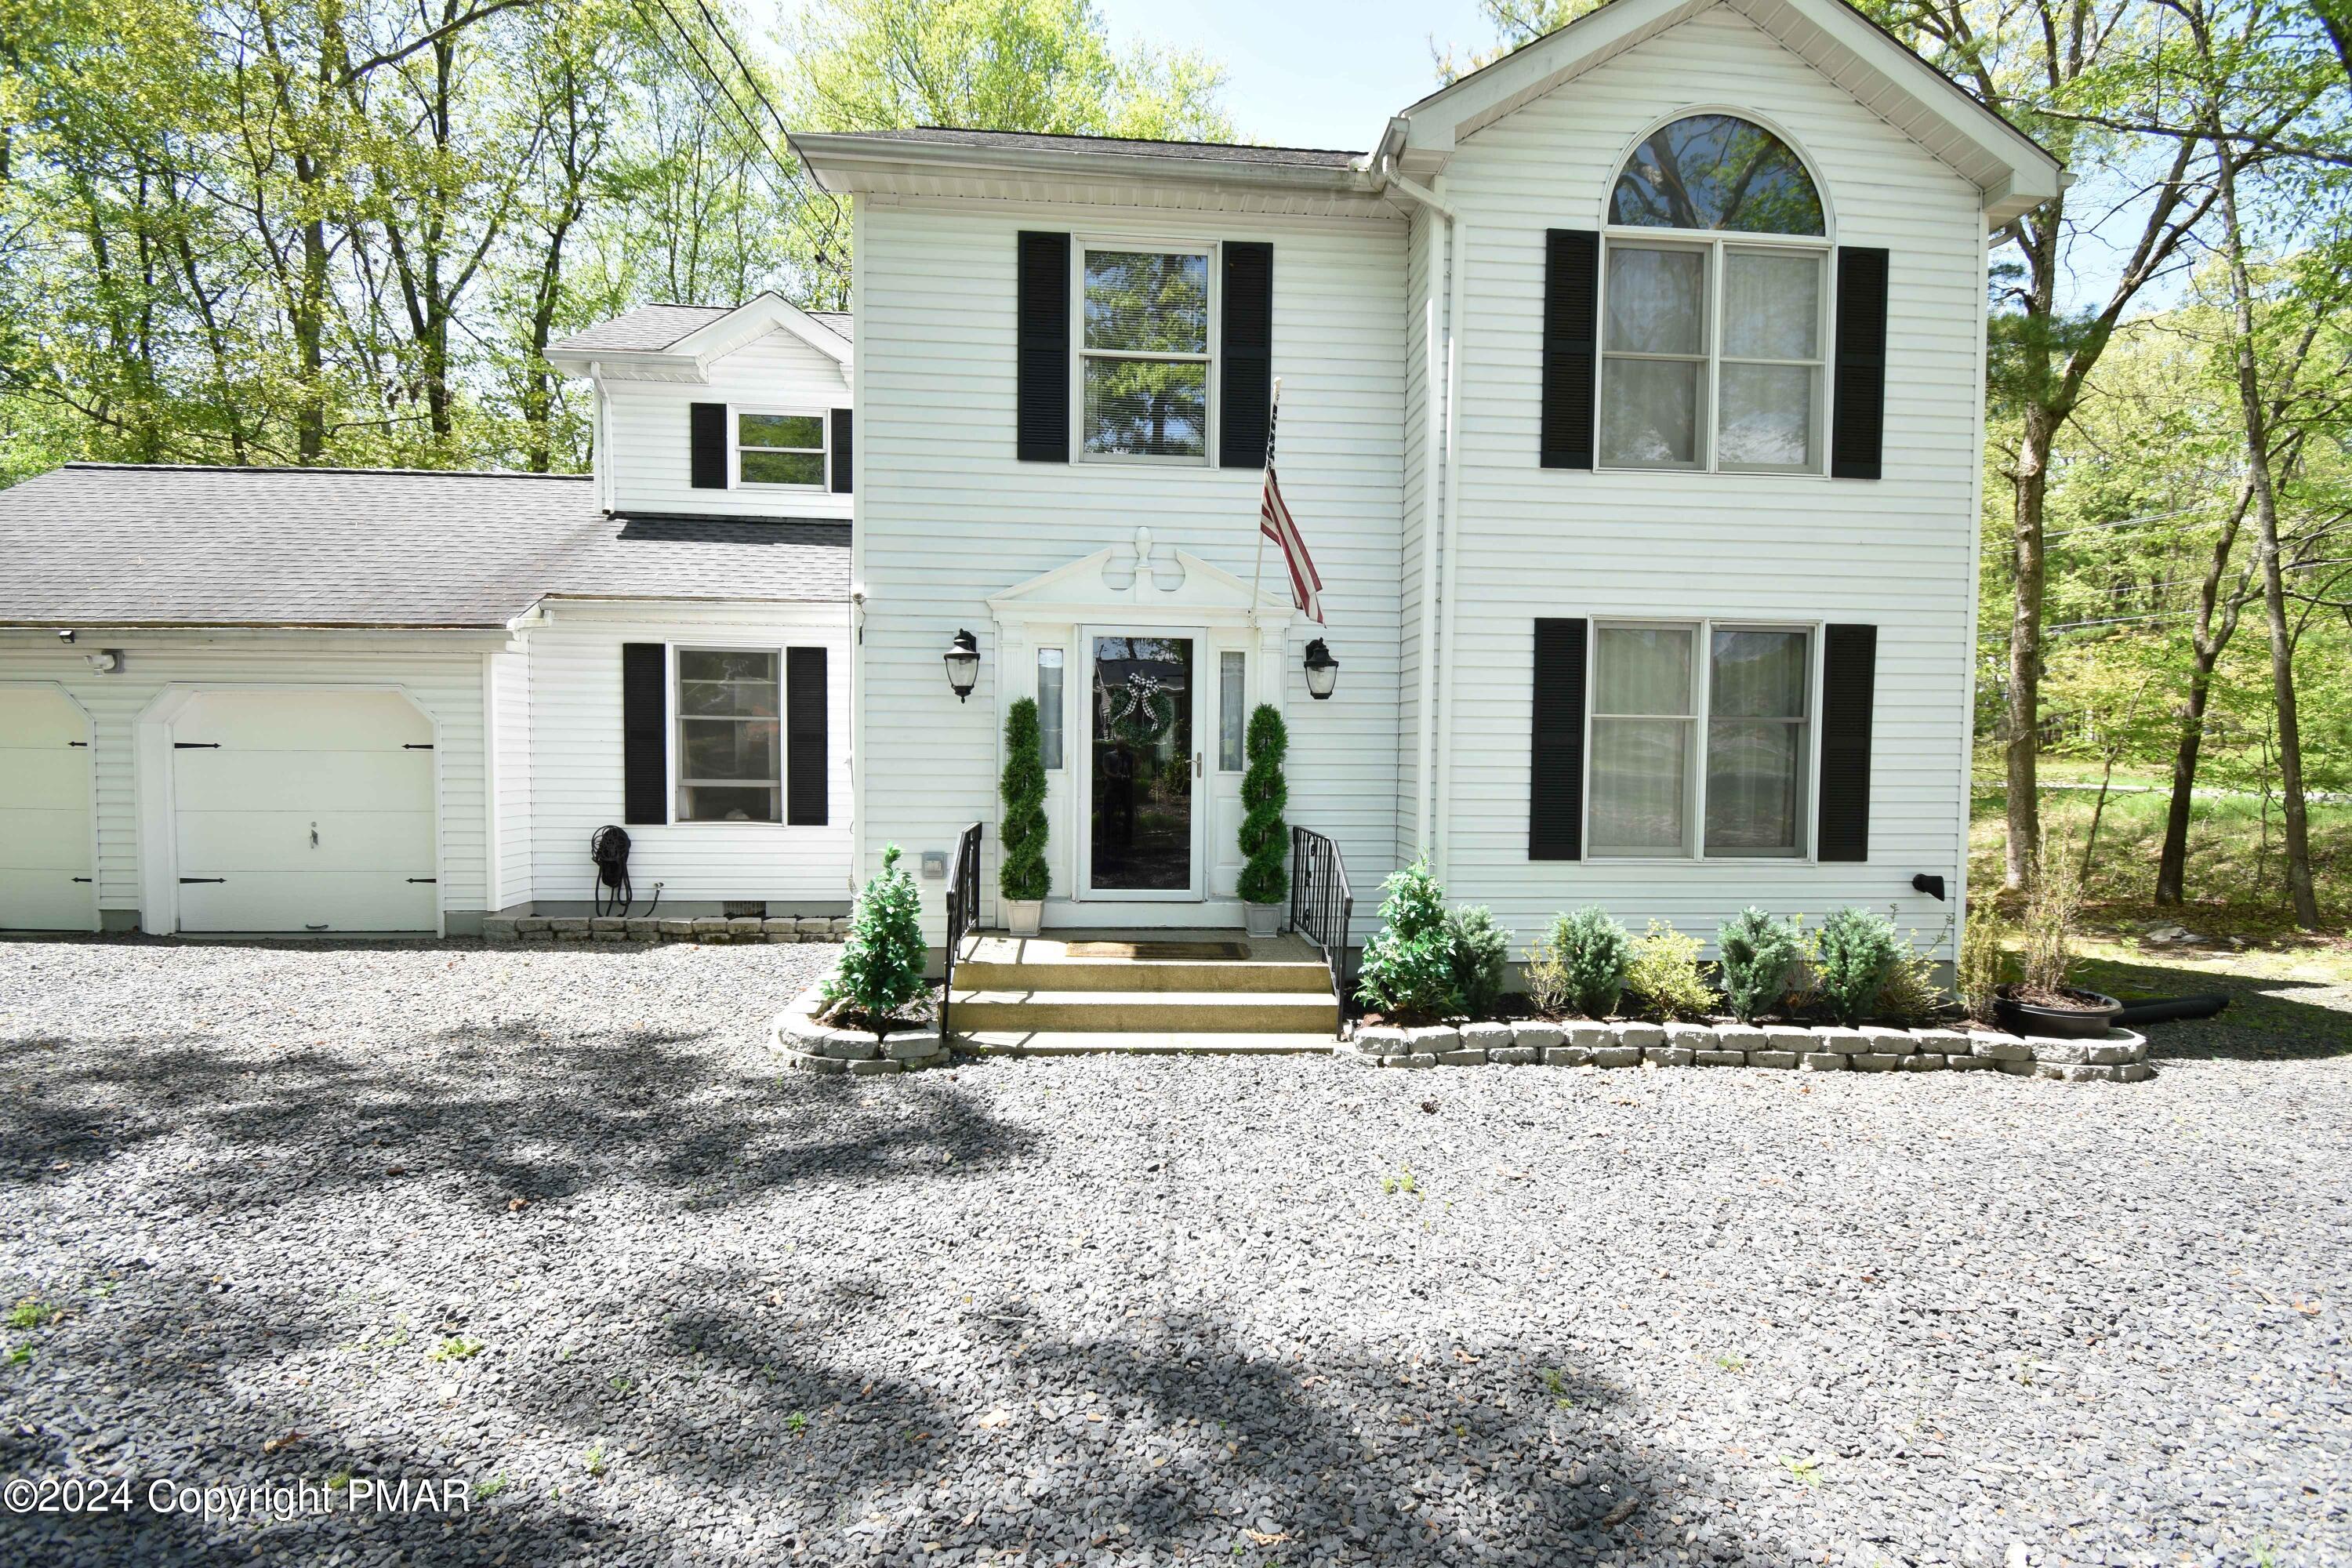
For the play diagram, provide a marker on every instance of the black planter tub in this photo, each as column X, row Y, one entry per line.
column 2089, row 1022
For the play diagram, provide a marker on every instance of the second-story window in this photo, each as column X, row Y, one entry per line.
column 1144, row 353
column 780, row 449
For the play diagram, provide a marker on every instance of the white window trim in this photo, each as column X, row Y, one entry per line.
column 1712, row 244
column 673, row 736
column 1703, row 632
column 824, row 417
column 1079, row 354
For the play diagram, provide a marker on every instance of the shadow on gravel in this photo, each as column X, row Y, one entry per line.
column 509, row 1112
column 2268, row 1019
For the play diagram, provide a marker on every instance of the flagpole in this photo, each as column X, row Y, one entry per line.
column 1273, row 411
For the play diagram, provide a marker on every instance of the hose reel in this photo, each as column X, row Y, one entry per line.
column 609, row 848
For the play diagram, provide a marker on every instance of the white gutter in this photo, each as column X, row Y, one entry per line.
column 1432, row 808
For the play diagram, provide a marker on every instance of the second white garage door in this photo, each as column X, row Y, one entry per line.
column 45, row 870
column 303, row 811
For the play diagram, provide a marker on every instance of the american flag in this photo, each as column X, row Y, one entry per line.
column 1274, row 520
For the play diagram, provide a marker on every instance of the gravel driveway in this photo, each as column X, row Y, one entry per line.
column 552, row 1223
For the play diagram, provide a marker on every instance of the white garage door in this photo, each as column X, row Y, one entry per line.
column 303, row 811
column 44, row 872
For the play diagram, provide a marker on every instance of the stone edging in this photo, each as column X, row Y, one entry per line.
column 810, row 1045
column 2121, row 1057
column 544, row 930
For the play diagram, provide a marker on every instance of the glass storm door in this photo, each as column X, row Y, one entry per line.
column 1142, row 766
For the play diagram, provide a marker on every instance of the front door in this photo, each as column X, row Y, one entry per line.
column 1142, row 764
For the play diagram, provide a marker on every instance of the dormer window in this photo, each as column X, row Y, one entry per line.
column 1715, row 304
column 1143, row 347
column 780, row 449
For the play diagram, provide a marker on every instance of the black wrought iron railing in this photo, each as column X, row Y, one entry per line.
column 1322, row 905
column 963, row 913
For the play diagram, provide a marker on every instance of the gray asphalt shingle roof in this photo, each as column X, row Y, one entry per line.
column 649, row 329
column 110, row 544
column 1134, row 147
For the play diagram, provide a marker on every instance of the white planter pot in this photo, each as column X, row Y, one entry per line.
column 1021, row 915
column 1263, row 920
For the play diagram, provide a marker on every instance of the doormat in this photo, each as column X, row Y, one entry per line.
column 1158, row 950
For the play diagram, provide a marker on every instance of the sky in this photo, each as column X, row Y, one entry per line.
column 1309, row 73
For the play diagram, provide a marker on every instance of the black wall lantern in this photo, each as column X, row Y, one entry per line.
column 1322, row 671
column 963, row 663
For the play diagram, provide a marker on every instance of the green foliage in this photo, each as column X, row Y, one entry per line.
column 1908, row 997
column 1578, row 969
column 1480, row 953
column 1265, row 793
column 2053, row 908
column 1664, row 979
column 1408, row 966
column 1756, row 954
column 881, row 967
column 1979, row 970
column 1855, row 949
column 1023, row 872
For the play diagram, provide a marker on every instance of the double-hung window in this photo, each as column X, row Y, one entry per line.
column 729, row 743
column 1143, row 349
column 1702, row 738
column 780, row 449
column 1713, row 300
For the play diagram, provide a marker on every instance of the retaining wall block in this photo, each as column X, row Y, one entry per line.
column 1380, row 1040
column 532, row 925
column 1488, row 1038
column 873, row 1068
column 1740, row 1037
column 1788, row 1037
column 1568, row 1056
column 912, row 1047
column 1616, row 1056
column 1965, row 1061
column 1946, row 1042
column 1431, row 1040
column 675, row 930
column 851, row 1044
column 1417, row 1059
column 1924, row 1061
column 1821, row 1061
column 1669, row 1056
column 1591, row 1036
column 781, row 927
column 1640, row 1035
column 1691, row 1037
column 1722, row 1058
column 744, row 928
column 1772, row 1059
column 1466, row 1056
column 1537, row 1034
column 2134, row 1072
column 1890, row 1042
column 1514, row 1056
column 2015, row 1068
column 498, row 931
column 1845, row 1042
column 797, row 1061
column 2000, row 1048
column 2112, row 1052
column 1874, row 1061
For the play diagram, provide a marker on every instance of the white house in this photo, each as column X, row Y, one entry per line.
column 246, row 699
column 1631, row 407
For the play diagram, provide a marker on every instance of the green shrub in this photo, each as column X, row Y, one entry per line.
column 2045, row 953
column 1979, row 976
column 1022, row 873
column 1664, row 979
column 1755, row 955
column 1909, row 998
column 1263, row 794
column 881, row 967
column 1857, row 949
column 1480, row 953
column 1408, row 967
column 1578, row 969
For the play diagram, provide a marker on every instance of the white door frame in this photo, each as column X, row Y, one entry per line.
column 1082, row 780
column 89, row 753
column 159, row 838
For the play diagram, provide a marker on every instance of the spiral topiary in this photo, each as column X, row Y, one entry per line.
column 1023, row 873
column 1263, row 794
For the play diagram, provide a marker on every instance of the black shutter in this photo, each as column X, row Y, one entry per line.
column 707, row 446
column 806, row 763
column 1248, row 347
column 1042, row 403
column 841, row 433
column 1858, row 399
column 1556, row 761
column 1570, row 334
column 645, row 733
column 1849, row 679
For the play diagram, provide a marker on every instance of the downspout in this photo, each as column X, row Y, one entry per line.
column 602, row 455
column 1431, row 805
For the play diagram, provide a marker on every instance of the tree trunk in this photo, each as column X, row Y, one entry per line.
column 2028, row 560
column 2293, row 817
column 2207, row 645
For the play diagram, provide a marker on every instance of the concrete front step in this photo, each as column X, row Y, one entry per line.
column 1071, row 1042
column 1148, row 1012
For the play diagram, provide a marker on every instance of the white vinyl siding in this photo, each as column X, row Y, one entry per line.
column 1896, row 553
column 948, row 515
column 510, row 773
column 645, row 424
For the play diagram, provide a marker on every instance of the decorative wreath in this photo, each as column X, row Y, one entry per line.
column 1143, row 712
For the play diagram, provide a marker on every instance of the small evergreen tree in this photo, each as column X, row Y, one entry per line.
column 1022, row 873
column 1755, row 953
column 1408, row 967
column 881, row 967
column 1480, row 952
column 1263, row 794
column 1856, row 951
column 1580, row 968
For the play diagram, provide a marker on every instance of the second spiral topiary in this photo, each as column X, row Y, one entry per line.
column 1024, row 874
column 1263, row 794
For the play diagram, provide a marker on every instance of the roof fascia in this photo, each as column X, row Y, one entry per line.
column 845, row 162
column 690, row 359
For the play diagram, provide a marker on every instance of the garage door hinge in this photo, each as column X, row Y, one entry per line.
column 196, row 745
column 417, row 746
column 185, row 880
column 424, row 878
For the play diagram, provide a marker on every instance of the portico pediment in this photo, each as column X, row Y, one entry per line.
column 1140, row 582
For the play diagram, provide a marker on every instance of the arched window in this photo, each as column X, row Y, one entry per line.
column 1714, row 334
